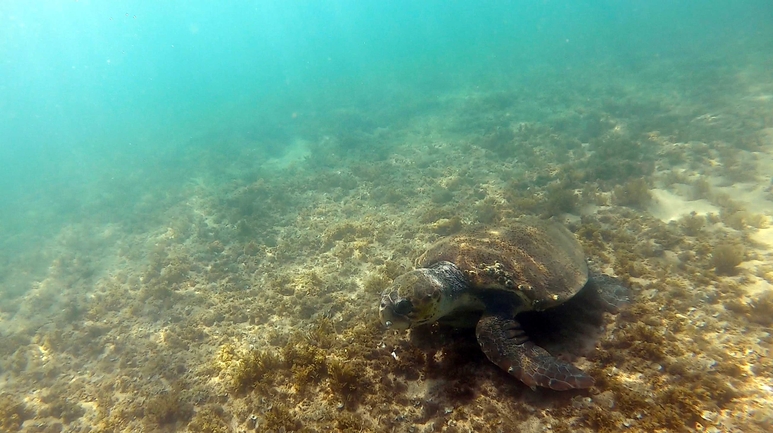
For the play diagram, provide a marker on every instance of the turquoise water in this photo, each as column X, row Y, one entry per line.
column 89, row 87
column 182, row 182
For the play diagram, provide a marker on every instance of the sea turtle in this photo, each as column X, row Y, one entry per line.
column 493, row 275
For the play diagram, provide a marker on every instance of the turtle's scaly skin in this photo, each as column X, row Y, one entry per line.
column 505, row 344
column 529, row 265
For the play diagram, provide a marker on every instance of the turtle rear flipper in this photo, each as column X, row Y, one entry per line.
column 506, row 345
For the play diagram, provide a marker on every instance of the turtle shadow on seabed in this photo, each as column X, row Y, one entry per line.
column 567, row 331
column 574, row 327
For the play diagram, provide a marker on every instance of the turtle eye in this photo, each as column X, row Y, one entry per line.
column 403, row 307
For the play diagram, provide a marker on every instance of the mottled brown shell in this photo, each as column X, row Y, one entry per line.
column 540, row 261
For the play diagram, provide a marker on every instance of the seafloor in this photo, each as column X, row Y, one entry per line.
column 240, row 292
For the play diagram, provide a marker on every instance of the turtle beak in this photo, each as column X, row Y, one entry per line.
column 394, row 313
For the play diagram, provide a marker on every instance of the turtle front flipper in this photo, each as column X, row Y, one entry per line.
column 505, row 344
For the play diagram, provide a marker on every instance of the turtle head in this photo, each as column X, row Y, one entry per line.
column 422, row 296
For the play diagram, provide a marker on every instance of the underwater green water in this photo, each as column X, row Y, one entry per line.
column 200, row 203
column 99, row 97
